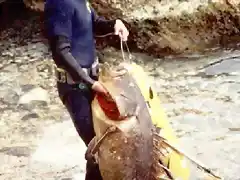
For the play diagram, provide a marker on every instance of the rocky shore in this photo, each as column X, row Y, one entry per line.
column 174, row 27
column 200, row 93
column 170, row 26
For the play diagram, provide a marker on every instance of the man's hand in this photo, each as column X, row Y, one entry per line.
column 121, row 30
column 98, row 87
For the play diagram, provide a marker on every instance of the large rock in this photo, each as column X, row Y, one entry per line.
column 160, row 27
column 37, row 94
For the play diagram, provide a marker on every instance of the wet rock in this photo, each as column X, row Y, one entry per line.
column 230, row 66
column 37, row 95
column 60, row 146
column 9, row 96
column 30, row 116
column 16, row 151
column 27, row 87
column 10, row 68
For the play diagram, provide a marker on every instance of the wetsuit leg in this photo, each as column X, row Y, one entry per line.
column 78, row 104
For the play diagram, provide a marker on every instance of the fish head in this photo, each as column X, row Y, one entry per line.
column 121, row 88
column 128, row 150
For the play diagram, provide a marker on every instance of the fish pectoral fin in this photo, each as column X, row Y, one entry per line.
column 95, row 143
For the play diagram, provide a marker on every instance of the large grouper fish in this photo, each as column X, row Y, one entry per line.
column 124, row 146
column 134, row 140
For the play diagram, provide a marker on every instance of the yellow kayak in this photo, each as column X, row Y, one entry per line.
column 174, row 161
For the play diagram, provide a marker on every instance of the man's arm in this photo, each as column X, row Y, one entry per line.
column 101, row 26
column 63, row 49
column 59, row 24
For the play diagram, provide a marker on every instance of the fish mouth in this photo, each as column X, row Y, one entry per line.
column 117, row 105
column 110, row 108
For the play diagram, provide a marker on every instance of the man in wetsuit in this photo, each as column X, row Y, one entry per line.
column 70, row 27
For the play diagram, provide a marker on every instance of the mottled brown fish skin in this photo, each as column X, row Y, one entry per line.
column 126, row 154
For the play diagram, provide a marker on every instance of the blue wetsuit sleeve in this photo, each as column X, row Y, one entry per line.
column 62, row 46
column 58, row 16
column 101, row 26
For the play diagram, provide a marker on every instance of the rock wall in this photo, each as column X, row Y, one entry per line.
column 161, row 27
column 173, row 27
